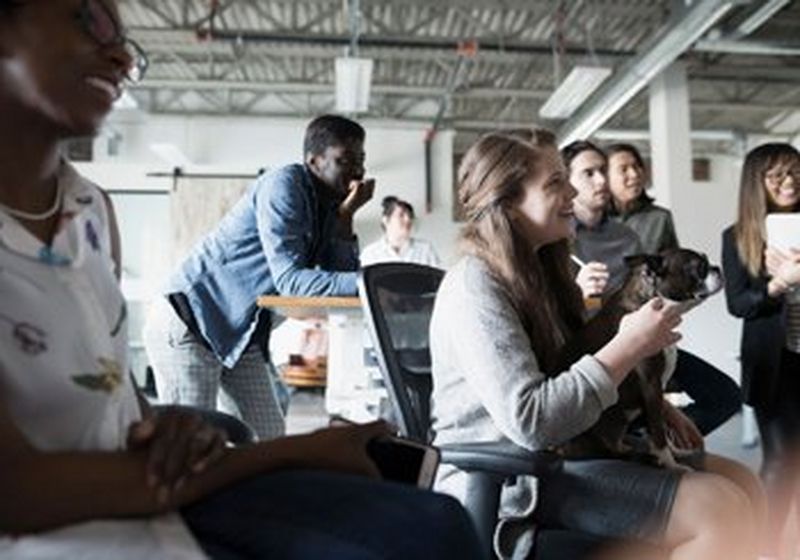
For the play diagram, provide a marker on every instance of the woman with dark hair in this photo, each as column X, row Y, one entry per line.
column 88, row 469
column 501, row 316
column 630, row 203
column 760, row 285
column 397, row 243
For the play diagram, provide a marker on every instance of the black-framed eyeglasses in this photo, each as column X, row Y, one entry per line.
column 778, row 176
column 100, row 24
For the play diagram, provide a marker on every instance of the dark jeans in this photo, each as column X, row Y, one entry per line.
column 779, row 427
column 314, row 514
column 716, row 396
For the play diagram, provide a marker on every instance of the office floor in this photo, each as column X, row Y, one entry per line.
column 306, row 411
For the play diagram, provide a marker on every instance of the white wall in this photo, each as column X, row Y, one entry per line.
column 395, row 157
column 701, row 213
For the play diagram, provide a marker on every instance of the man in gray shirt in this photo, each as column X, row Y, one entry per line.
column 600, row 244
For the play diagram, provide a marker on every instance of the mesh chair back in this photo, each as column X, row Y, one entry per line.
column 397, row 299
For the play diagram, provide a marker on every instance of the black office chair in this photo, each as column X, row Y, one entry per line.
column 397, row 299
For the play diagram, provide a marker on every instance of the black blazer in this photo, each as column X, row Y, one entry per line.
column 764, row 329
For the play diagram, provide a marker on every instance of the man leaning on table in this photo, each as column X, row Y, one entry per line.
column 290, row 234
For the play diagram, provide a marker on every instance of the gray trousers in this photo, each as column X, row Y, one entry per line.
column 186, row 372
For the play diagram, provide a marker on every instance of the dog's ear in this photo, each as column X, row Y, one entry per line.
column 653, row 263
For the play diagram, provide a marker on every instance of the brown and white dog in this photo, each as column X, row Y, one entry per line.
column 679, row 275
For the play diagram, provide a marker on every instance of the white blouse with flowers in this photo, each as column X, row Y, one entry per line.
column 64, row 367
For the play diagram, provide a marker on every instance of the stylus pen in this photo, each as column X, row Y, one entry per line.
column 577, row 261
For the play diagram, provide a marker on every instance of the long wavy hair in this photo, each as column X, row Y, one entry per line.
column 750, row 230
column 539, row 282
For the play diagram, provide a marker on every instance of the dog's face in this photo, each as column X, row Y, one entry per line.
column 679, row 275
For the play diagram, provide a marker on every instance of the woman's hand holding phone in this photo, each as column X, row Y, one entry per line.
column 400, row 459
column 339, row 448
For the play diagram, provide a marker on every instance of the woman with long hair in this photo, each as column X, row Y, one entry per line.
column 86, row 467
column 501, row 316
column 760, row 283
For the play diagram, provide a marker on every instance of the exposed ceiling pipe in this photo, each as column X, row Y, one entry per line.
column 731, row 46
column 466, row 52
column 730, row 43
column 758, row 18
column 375, row 41
column 328, row 88
column 665, row 49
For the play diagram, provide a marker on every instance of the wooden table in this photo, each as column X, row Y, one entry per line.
column 299, row 307
column 347, row 384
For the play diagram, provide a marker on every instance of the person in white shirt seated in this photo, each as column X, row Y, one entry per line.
column 397, row 244
column 87, row 469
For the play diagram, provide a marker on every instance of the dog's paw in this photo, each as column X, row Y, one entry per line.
column 666, row 459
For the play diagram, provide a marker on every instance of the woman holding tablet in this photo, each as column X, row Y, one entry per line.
column 758, row 280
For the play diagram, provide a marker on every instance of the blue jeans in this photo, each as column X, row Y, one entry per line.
column 319, row 515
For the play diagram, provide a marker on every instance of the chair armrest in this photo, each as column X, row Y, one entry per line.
column 503, row 459
column 238, row 432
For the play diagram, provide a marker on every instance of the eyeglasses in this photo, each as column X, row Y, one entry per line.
column 100, row 24
column 778, row 176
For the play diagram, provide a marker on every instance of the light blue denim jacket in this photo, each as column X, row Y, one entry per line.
column 279, row 238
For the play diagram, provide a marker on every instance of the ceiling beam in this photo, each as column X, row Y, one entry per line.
column 758, row 48
column 155, row 37
column 675, row 38
column 758, row 18
column 325, row 88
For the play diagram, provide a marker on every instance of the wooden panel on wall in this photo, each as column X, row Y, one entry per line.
column 197, row 204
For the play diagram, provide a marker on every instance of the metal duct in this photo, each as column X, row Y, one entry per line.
column 671, row 43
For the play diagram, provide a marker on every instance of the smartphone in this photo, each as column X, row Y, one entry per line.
column 400, row 459
column 404, row 460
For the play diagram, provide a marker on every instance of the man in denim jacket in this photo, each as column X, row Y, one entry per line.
column 290, row 234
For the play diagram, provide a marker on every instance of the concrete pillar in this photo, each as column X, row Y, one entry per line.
column 670, row 141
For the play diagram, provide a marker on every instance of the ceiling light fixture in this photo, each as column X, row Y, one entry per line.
column 353, row 73
column 579, row 84
column 353, row 82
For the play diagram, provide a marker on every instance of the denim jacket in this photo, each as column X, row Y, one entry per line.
column 279, row 238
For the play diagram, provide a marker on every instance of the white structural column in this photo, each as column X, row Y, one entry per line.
column 670, row 142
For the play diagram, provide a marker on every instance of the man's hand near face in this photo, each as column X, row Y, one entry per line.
column 358, row 194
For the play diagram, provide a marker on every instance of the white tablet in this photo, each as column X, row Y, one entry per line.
column 783, row 231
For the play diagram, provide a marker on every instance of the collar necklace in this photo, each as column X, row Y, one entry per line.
column 41, row 216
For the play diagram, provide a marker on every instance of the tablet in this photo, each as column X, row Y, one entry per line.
column 783, row 231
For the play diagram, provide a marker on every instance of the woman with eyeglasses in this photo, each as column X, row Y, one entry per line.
column 761, row 284
column 86, row 469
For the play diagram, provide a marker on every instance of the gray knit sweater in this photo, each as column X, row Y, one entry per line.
column 487, row 386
